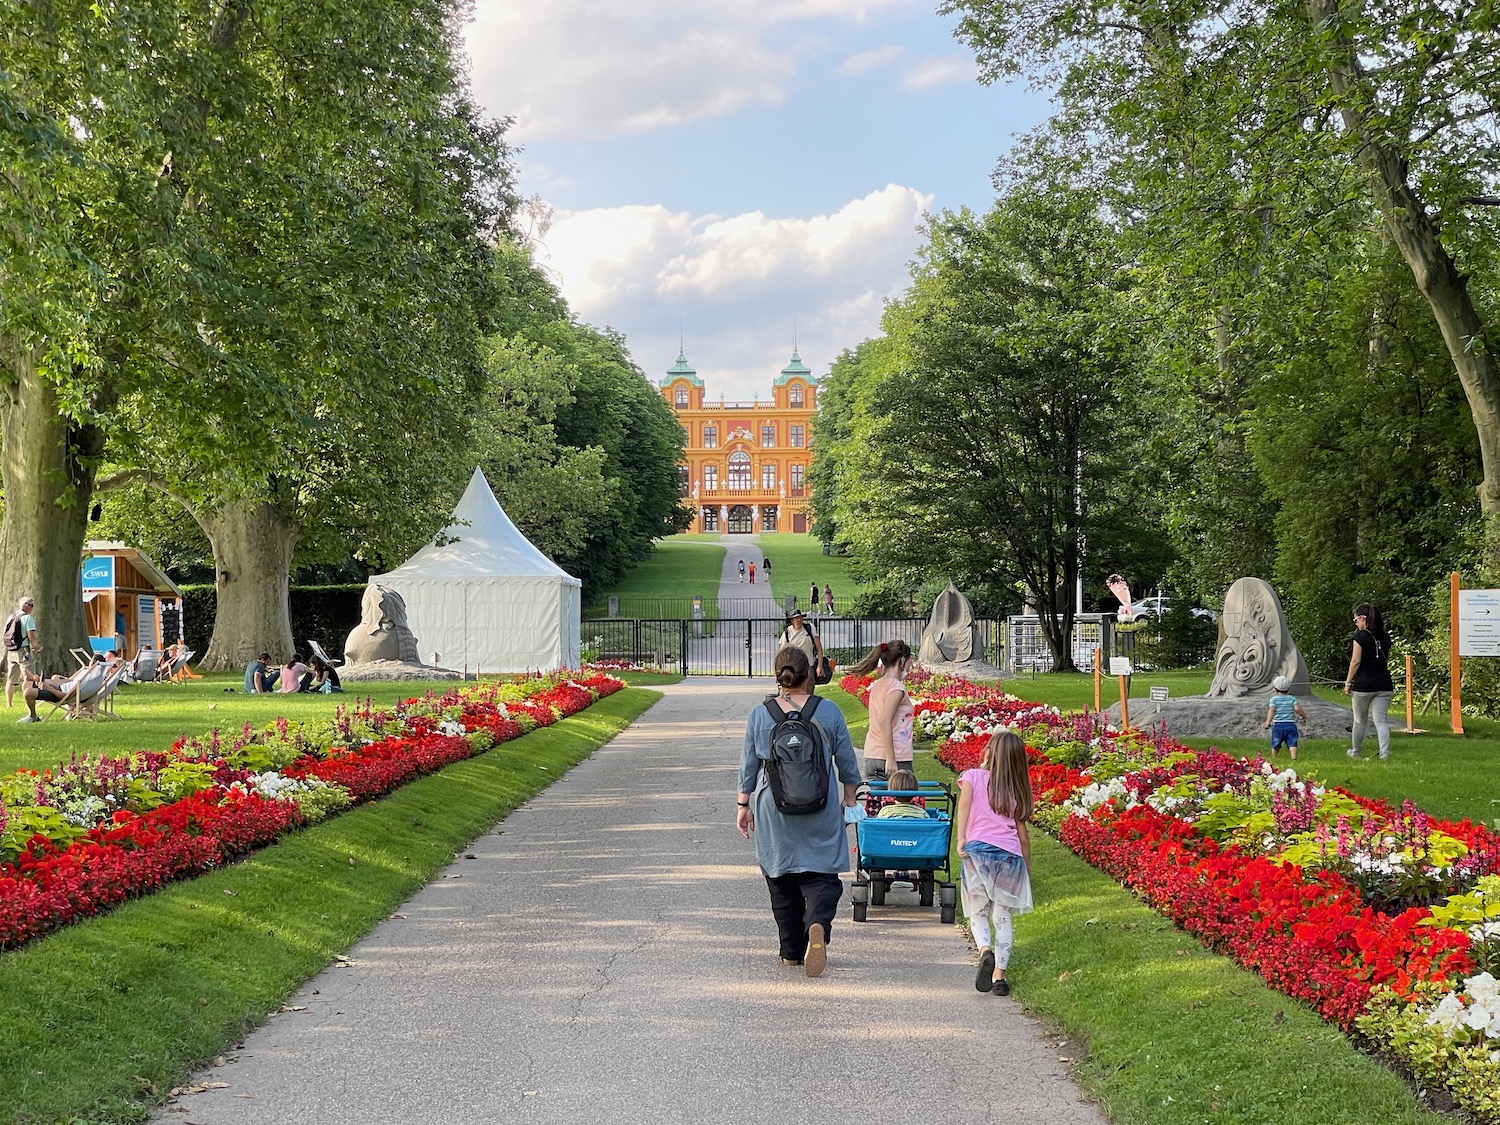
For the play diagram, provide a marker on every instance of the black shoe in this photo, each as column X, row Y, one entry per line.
column 1001, row 987
column 983, row 979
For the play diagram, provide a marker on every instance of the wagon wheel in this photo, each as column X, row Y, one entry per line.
column 925, row 888
column 861, row 910
column 877, row 888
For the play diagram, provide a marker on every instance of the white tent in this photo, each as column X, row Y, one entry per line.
column 483, row 598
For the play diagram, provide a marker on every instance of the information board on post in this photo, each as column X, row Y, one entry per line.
column 1479, row 622
column 1119, row 665
column 1158, row 694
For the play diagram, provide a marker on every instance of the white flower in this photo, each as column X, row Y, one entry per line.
column 451, row 726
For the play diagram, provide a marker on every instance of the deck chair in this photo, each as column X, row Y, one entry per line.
column 143, row 667
column 85, row 687
column 177, row 671
column 317, row 650
column 102, row 706
column 84, row 656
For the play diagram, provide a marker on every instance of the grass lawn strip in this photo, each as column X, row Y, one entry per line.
column 99, row 1021
column 1088, row 1015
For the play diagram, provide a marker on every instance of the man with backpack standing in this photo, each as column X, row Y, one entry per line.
column 798, row 773
column 21, row 647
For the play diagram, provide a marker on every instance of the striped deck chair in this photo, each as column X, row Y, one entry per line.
column 143, row 667
column 102, row 705
column 80, row 693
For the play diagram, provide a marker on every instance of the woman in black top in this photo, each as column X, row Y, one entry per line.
column 1369, row 683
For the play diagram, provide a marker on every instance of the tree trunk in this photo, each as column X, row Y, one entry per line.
column 1416, row 235
column 253, row 543
column 48, row 466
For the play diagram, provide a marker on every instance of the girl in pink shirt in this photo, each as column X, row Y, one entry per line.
column 994, row 805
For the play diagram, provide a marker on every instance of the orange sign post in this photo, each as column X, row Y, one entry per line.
column 1456, row 716
column 1124, row 704
column 1098, row 682
column 1411, row 717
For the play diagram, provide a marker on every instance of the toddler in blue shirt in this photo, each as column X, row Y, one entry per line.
column 1282, row 716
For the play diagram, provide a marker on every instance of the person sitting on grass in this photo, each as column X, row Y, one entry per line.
column 902, row 806
column 294, row 676
column 325, row 676
column 258, row 675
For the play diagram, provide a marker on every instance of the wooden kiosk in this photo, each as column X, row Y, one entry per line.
column 128, row 602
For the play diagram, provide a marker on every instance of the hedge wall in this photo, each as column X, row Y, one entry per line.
column 325, row 614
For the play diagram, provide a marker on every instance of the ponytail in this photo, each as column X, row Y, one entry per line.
column 888, row 653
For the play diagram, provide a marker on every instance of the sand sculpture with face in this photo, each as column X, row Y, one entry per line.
column 382, row 632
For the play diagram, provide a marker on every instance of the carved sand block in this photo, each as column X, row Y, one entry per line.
column 951, row 636
column 1255, row 645
column 382, row 633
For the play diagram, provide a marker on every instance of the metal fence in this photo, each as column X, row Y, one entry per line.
column 746, row 646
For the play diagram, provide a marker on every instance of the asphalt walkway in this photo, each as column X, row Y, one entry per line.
column 608, row 954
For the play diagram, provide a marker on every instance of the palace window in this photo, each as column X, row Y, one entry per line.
column 681, row 395
column 739, row 472
column 797, row 471
column 710, row 477
column 767, row 436
column 768, row 518
column 683, row 484
column 710, row 437
column 768, row 477
column 794, row 395
column 710, row 519
column 740, row 520
column 796, row 437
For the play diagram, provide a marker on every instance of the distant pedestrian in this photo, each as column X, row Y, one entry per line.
column 1369, row 683
column 766, row 566
column 1282, row 715
column 742, row 572
column 828, row 600
column 812, row 602
column 21, row 647
column 994, row 806
column 752, row 574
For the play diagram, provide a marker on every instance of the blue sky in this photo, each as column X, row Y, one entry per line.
column 739, row 166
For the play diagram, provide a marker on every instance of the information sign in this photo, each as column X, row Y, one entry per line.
column 1119, row 665
column 1158, row 695
column 1479, row 622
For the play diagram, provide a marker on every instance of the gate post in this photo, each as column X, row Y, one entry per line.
column 683, row 625
column 635, row 640
column 749, row 647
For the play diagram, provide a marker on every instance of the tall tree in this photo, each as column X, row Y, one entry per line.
column 1242, row 126
column 986, row 448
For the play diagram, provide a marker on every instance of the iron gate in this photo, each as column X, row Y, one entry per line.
column 745, row 646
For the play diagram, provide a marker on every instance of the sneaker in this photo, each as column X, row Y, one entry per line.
column 1385, row 756
column 1352, row 752
column 984, row 977
column 790, row 962
column 1001, row 987
column 817, row 951
column 28, row 719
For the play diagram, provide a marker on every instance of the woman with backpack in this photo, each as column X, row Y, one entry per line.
column 798, row 773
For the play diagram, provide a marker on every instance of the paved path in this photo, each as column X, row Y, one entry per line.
column 608, row 955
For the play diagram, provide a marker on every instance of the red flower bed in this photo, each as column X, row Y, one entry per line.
column 49, row 886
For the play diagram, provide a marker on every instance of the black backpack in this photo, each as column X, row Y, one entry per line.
column 798, row 768
column 15, row 635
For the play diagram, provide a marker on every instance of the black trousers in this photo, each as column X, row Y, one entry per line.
column 798, row 900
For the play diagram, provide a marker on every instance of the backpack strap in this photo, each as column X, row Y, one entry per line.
column 778, row 716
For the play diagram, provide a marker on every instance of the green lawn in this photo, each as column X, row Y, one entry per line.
column 797, row 561
column 664, row 584
column 101, row 1019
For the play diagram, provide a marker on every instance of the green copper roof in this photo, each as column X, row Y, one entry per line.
column 795, row 368
column 682, row 370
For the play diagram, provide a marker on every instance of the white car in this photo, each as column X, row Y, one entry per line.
column 1154, row 607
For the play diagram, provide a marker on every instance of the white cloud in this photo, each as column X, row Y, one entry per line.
column 597, row 67
column 737, row 284
column 866, row 61
column 930, row 73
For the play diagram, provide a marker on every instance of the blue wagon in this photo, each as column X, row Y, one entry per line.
column 891, row 846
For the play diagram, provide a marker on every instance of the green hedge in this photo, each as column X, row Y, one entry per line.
column 325, row 614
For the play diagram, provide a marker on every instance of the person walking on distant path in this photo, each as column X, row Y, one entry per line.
column 1369, row 685
column 742, row 572
column 812, row 601
column 828, row 600
column 765, row 565
column 752, row 574
column 801, row 855
column 21, row 647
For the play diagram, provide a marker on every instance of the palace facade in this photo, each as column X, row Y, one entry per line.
column 745, row 466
